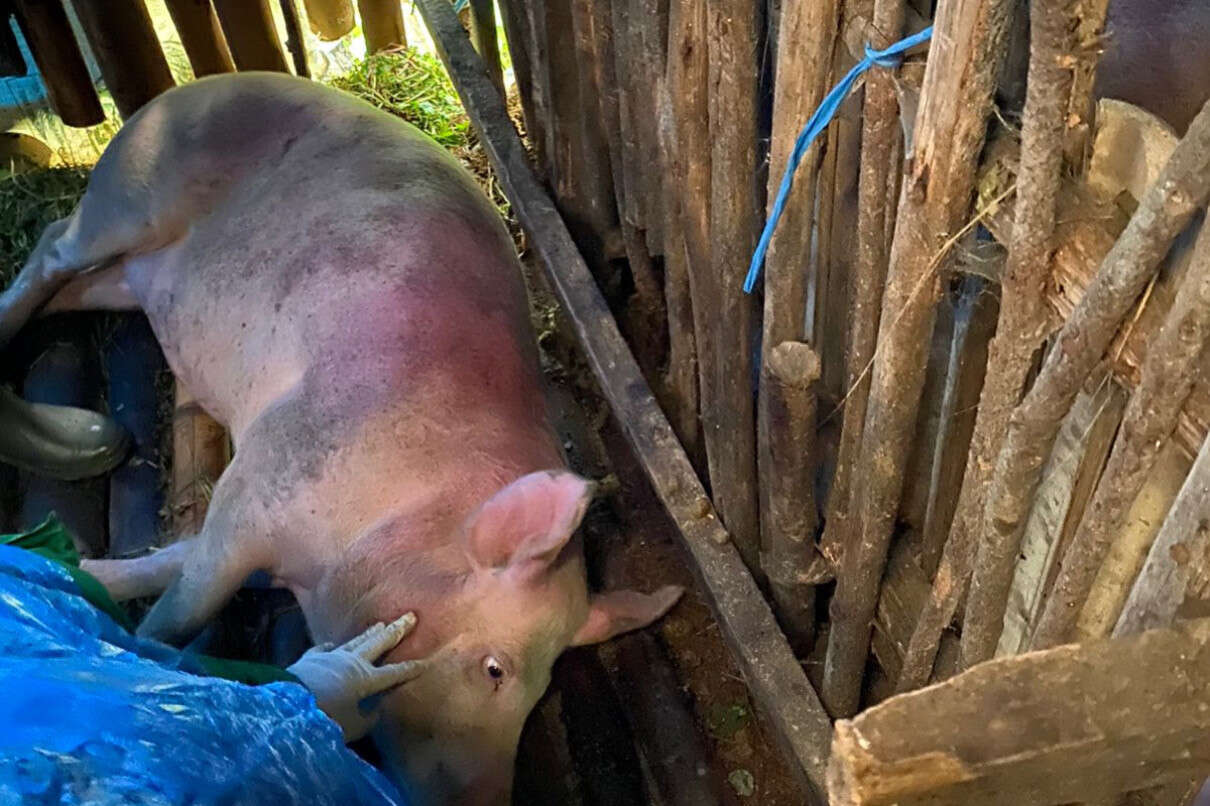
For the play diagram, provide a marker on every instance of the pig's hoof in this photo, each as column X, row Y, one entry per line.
column 61, row 442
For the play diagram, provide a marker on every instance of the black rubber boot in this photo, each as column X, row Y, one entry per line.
column 60, row 442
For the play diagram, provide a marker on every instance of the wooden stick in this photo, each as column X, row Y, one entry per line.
column 251, row 34
column 126, row 49
column 520, row 48
column 53, row 45
column 483, row 35
column 1087, row 43
column 1168, row 375
column 803, row 73
column 1023, row 730
column 295, row 41
column 198, row 27
column 728, row 412
column 329, row 19
column 1023, row 318
column 382, row 25
column 1163, row 212
column 788, row 514
column 200, row 453
column 879, row 132
column 776, row 681
column 957, row 95
column 1162, row 584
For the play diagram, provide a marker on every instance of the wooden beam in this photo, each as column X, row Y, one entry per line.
column 251, row 34
column 201, row 36
column 53, row 45
column 124, row 43
column 775, row 679
column 1023, row 730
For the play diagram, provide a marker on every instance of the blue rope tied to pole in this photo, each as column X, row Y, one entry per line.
column 818, row 123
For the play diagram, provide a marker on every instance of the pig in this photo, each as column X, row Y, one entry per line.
column 334, row 288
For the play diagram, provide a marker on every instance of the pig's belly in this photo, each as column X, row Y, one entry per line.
column 215, row 321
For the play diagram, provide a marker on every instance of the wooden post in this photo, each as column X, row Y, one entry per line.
column 1024, row 730
column 777, row 683
column 935, row 205
column 483, row 36
column 53, row 45
column 1183, row 186
column 803, row 72
column 200, row 453
column 788, row 514
column 329, row 19
column 251, row 34
column 382, row 24
column 727, row 410
column 201, row 36
column 12, row 63
column 295, row 42
column 521, row 48
column 879, row 132
column 127, row 50
column 1023, row 316
column 1167, row 379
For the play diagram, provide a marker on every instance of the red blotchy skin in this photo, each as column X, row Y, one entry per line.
column 335, row 289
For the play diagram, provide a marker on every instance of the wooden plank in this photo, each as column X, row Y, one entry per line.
column 201, row 36
column 1022, row 730
column 777, row 682
column 200, row 453
column 53, row 45
column 127, row 50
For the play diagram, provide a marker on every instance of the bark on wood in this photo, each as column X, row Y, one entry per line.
column 126, row 49
column 382, row 24
column 295, row 41
column 201, row 36
column 251, row 34
column 1168, row 375
column 1022, row 318
column 1071, row 471
column 52, row 43
column 788, row 514
column 1087, row 44
column 1163, row 213
column 776, row 681
column 727, row 411
column 200, row 453
column 950, row 129
column 1042, row 743
column 879, row 133
column 329, row 19
column 1183, row 539
column 1130, row 547
column 483, row 36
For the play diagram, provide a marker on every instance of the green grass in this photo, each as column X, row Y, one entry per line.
column 28, row 202
column 414, row 86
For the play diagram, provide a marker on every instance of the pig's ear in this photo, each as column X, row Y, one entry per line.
column 616, row 612
column 527, row 523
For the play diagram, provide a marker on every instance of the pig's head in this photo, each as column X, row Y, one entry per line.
column 496, row 605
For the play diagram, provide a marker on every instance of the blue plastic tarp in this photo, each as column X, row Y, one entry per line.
column 92, row 714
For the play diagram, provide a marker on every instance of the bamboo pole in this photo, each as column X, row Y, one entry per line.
column 251, row 34
column 126, row 49
column 1022, row 322
column 52, row 43
column 295, row 42
column 201, row 36
column 382, row 25
column 803, row 74
column 1164, row 211
column 483, row 36
column 788, row 514
column 329, row 19
column 1168, row 375
column 879, row 131
column 935, row 203
column 728, row 411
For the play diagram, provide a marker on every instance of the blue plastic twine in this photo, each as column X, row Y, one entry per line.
column 815, row 126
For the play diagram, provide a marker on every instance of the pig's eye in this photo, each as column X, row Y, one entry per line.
column 494, row 669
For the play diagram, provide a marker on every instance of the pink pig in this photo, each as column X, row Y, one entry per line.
column 336, row 290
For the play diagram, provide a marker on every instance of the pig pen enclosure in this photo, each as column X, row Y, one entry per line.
column 939, row 485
